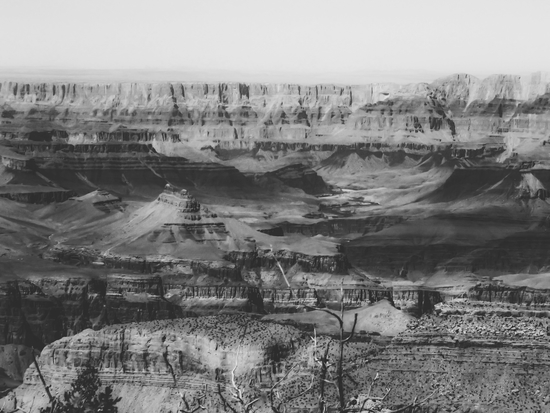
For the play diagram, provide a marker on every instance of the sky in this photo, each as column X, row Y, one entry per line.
column 340, row 41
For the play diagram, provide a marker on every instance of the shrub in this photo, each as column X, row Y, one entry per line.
column 85, row 396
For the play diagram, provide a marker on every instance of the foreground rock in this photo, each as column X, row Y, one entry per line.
column 148, row 364
column 461, row 360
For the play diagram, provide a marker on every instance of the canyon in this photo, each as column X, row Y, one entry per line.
column 143, row 224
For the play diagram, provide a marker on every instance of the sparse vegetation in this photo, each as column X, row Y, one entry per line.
column 84, row 396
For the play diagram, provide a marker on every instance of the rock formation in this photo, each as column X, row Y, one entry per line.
column 258, row 111
column 148, row 364
column 138, row 221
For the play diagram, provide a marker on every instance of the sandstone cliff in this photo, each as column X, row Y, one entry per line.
column 148, row 364
column 458, row 107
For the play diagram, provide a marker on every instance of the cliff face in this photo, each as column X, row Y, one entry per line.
column 35, row 195
column 37, row 313
column 148, row 364
column 458, row 105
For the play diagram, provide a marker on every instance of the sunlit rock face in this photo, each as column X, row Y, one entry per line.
column 459, row 107
column 149, row 364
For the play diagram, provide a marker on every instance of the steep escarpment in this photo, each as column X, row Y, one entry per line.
column 458, row 107
column 37, row 312
column 127, row 169
column 58, row 301
column 35, row 194
column 149, row 363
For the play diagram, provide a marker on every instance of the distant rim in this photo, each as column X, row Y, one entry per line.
column 184, row 75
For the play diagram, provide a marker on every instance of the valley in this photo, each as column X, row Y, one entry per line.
column 181, row 236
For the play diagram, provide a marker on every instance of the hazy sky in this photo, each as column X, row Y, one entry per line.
column 325, row 40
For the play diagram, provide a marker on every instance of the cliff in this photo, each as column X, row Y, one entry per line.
column 458, row 107
column 148, row 364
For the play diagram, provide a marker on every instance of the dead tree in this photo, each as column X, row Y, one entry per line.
column 357, row 405
column 242, row 401
column 51, row 398
column 339, row 379
column 325, row 364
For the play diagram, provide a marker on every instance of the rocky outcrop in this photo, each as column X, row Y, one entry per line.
column 334, row 264
column 14, row 160
column 146, row 361
column 507, row 294
column 236, row 262
column 88, row 257
column 35, row 194
column 37, row 313
column 122, row 168
column 21, row 146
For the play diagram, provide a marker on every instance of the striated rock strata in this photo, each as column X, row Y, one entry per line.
column 148, row 364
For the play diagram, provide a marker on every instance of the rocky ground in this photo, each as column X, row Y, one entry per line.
column 471, row 321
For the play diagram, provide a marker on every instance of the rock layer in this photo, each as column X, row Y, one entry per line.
column 146, row 361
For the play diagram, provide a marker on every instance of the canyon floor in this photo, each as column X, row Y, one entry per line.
column 200, row 239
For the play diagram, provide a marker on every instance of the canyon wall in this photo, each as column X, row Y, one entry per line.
column 458, row 107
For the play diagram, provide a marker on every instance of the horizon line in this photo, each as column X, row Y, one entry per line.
column 131, row 75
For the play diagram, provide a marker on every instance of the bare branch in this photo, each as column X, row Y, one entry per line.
column 388, row 390
column 248, row 405
column 352, row 329
column 283, row 379
column 372, row 384
column 225, row 402
column 52, row 399
column 328, row 312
